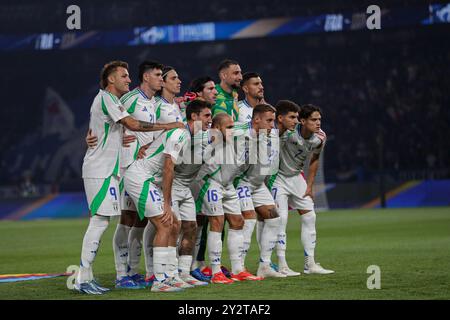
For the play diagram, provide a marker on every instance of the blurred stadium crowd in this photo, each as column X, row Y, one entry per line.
column 384, row 94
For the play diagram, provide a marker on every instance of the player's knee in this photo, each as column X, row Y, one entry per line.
column 189, row 228
column 237, row 222
column 127, row 218
column 216, row 224
column 99, row 221
column 176, row 226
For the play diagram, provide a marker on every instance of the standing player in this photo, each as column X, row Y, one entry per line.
column 101, row 165
column 166, row 111
column 253, row 88
column 230, row 75
column 289, row 186
column 203, row 88
column 127, row 241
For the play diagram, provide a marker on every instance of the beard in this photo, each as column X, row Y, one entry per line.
column 235, row 86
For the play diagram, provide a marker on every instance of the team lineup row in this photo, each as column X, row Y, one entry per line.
column 142, row 164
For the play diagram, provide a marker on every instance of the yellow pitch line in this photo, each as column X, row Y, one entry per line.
column 407, row 185
column 37, row 204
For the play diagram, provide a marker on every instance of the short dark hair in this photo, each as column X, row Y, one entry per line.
column 198, row 84
column 224, row 64
column 262, row 108
column 195, row 106
column 285, row 106
column 307, row 110
column 109, row 68
column 165, row 71
column 148, row 65
column 247, row 76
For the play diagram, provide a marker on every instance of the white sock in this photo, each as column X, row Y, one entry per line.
column 249, row 226
column 184, row 264
column 160, row 257
column 120, row 248
column 214, row 243
column 91, row 243
column 147, row 240
column 283, row 211
column 235, row 243
column 269, row 239
column 134, row 249
column 259, row 230
column 281, row 239
column 309, row 235
column 172, row 262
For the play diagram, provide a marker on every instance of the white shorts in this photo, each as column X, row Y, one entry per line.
column 212, row 199
column 147, row 196
column 103, row 195
column 183, row 204
column 289, row 191
column 251, row 197
column 126, row 203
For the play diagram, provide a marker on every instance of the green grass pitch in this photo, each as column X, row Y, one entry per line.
column 411, row 247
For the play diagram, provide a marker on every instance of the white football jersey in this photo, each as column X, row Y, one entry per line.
column 295, row 149
column 173, row 142
column 245, row 111
column 103, row 160
column 166, row 112
column 192, row 159
column 140, row 107
column 260, row 154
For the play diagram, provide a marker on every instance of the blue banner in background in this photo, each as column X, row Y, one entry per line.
column 213, row 31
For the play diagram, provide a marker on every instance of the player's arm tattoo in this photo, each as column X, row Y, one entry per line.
column 146, row 125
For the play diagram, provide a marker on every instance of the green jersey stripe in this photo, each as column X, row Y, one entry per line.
column 170, row 132
column 159, row 150
column 271, row 181
column 113, row 97
column 201, row 195
column 99, row 197
column 132, row 108
column 125, row 99
column 158, row 111
column 121, row 186
column 106, row 133
column 116, row 167
column 104, row 109
column 136, row 151
column 128, row 95
column 143, row 198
